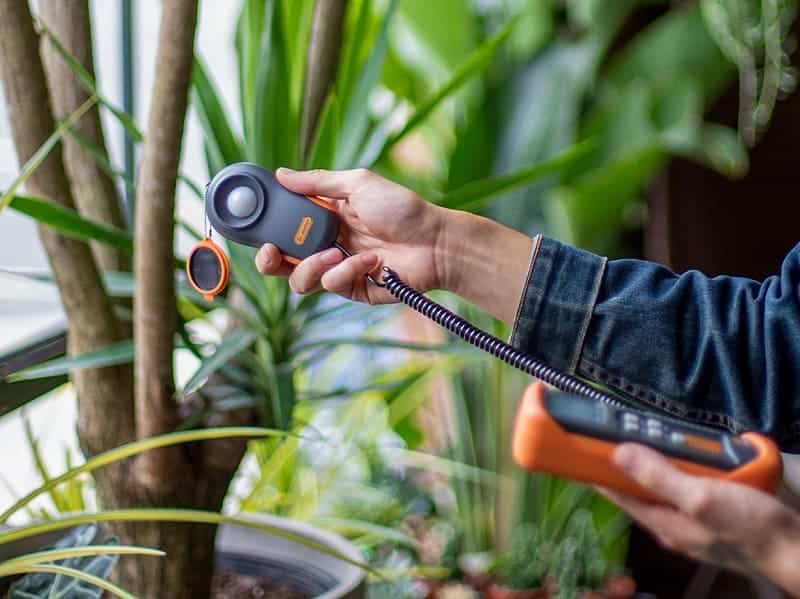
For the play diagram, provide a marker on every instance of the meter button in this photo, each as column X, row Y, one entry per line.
column 677, row 438
column 654, row 433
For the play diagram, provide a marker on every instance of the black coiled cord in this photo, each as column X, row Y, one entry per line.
column 488, row 343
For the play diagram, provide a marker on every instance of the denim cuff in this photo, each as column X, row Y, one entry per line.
column 557, row 303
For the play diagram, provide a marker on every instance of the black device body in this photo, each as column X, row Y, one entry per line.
column 246, row 204
column 673, row 438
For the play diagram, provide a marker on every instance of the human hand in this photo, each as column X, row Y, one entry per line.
column 384, row 224
column 717, row 521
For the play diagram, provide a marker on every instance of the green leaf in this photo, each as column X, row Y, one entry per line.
column 323, row 150
column 377, row 343
column 276, row 118
column 77, row 551
column 112, row 355
column 220, row 140
column 477, row 62
column 90, row 85
column 136, row 447
column 475, row 195
column 39, row 464
column 230, row 347
column 70, row 223
column 173, row 515
column 356, row 116
column 44, row 150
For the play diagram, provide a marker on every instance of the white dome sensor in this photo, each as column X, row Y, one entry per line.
column 242, row 201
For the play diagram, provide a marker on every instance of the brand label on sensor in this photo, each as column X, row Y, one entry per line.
column 303, row 229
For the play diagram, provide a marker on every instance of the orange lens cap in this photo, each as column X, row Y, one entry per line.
column 207, row 269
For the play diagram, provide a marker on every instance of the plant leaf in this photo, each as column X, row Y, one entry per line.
column 137, row 447
column 112, row 355
column 478, row 61
column 40, row 154
column 89, row 84
column 230, row 347
column 222, row 143
column 356, row 115
column 173, row 515
column 323, row 150
column 70, row 223
column 475, row 195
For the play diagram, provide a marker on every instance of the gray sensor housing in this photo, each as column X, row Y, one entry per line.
column 246, row 204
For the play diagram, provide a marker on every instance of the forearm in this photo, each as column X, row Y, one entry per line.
column 484, row 262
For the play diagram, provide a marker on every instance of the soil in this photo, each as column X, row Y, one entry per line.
column 232, row 585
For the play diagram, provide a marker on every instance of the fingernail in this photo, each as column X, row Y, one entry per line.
column 331, row 256
column 286, row 171
column 370, row 260
column 625, row 457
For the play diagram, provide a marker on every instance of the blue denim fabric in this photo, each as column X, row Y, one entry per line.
column 722, row 351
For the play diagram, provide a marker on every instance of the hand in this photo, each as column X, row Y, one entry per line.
column 384, row 223
column 428, row 246
column 725, row 523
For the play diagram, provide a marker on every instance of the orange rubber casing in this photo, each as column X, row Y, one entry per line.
column 540, row 444
column 224, row 266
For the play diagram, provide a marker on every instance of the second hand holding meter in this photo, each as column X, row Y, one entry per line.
column 571, row 432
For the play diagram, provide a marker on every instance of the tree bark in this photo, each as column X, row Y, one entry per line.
column 95, row 193
column 154, row 305
column 324, row 48
column 104, row 395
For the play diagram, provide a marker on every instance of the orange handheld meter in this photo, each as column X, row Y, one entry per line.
column 566, row 435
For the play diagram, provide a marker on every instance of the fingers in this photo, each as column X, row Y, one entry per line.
column 673, row 529
column 653, row 472
column 332, row 184
column 343, row 278
column 306, row 276
column 269, row 261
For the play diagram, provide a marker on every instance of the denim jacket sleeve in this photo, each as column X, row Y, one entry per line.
column 722, row 351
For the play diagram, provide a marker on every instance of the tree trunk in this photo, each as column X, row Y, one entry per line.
column 94, row 191
column 324, row 48
column 106, row 415
column 104, row 395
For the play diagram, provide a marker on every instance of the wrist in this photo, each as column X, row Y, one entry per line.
column 482, row 261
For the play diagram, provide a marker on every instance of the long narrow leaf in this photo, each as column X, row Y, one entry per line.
column 112, row 355
column 51, row 555
column 378, row 343
column 222, row 143
column 476, row 194
column 231, row 346
column 73, row 573
column 356, row 116
column 477, row 62
column 39, row 155
column 90, row 85
column 137, row 447
column 70, row 223
column 173, row 515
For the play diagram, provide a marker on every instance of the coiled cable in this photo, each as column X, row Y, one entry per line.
column 488, row 343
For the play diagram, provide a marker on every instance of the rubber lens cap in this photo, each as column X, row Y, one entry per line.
column 205, row 269
column 242, row 201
